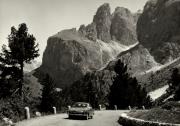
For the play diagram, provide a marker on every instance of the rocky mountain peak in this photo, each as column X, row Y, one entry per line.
column 150, row 4
column 124, row 12
column 102, row 19
column 123, row 26
column 104, row 11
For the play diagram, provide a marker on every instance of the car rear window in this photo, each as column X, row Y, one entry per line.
column 80, row 105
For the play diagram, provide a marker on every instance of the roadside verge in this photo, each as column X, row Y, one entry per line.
column 126, row 120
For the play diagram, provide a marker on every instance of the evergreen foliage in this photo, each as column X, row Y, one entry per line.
column 7, row 87
column 21, row 49
column 91, row 88
column 174, row 84
column 50, row 96
column 14, row 92
column 126, row 91
column 175, row 80
column 97, row 88
column 13, row 107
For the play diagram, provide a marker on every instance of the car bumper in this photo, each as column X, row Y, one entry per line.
column 77, row 114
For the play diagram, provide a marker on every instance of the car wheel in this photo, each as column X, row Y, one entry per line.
column 87, row 117
column 70, row 116
column 92, row 117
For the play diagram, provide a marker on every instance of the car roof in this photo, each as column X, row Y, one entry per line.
column 81, row 103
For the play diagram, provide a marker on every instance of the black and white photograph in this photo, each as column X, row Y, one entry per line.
column 89, row 62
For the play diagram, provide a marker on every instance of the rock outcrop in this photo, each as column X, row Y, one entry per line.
column 89, row 31
column 138, row 59
column 158, row 29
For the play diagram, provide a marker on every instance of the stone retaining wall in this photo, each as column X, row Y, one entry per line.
column 129, row 121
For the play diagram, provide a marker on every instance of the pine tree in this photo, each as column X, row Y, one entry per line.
column 174, row 84
column 174, row 81
column 177, row 94
column 125, row 90
column 48, row 94
column 21, row 49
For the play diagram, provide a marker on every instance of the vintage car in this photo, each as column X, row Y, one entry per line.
column 81, row 109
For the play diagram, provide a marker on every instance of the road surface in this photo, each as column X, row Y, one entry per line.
column 101, row 118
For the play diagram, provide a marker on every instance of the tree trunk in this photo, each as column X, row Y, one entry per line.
column 21, row 71
column 21, row 80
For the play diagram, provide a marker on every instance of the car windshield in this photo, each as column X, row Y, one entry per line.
column 79, row 105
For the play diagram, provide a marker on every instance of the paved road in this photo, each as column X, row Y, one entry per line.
column 101, row 118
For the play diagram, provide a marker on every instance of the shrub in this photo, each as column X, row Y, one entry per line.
column 13, row 107
column 172, row 105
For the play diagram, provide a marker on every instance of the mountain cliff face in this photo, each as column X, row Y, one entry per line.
column 72, row 53
column 158, row 29
column 68, row 56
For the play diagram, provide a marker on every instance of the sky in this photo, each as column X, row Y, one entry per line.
column 45, row 18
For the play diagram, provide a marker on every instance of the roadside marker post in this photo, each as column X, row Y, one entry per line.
column 115, row 107
column 100, row 107
column 54, row 110
column 27, row 112
column 143, row 107
column 38, row 114
column 129, row 107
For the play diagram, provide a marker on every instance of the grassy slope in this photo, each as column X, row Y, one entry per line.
column 32, row 83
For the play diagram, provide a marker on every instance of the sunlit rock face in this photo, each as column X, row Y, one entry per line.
column 71, row 53
column 102, row 19
column 123, row 27
column 158, row 29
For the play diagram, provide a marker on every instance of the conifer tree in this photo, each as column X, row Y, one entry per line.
column 174, row 84
column 175, row 80
column 125, row 90
column 49, row 96
column 21, row 49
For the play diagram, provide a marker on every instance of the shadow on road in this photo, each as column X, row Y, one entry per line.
column 76, row 118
